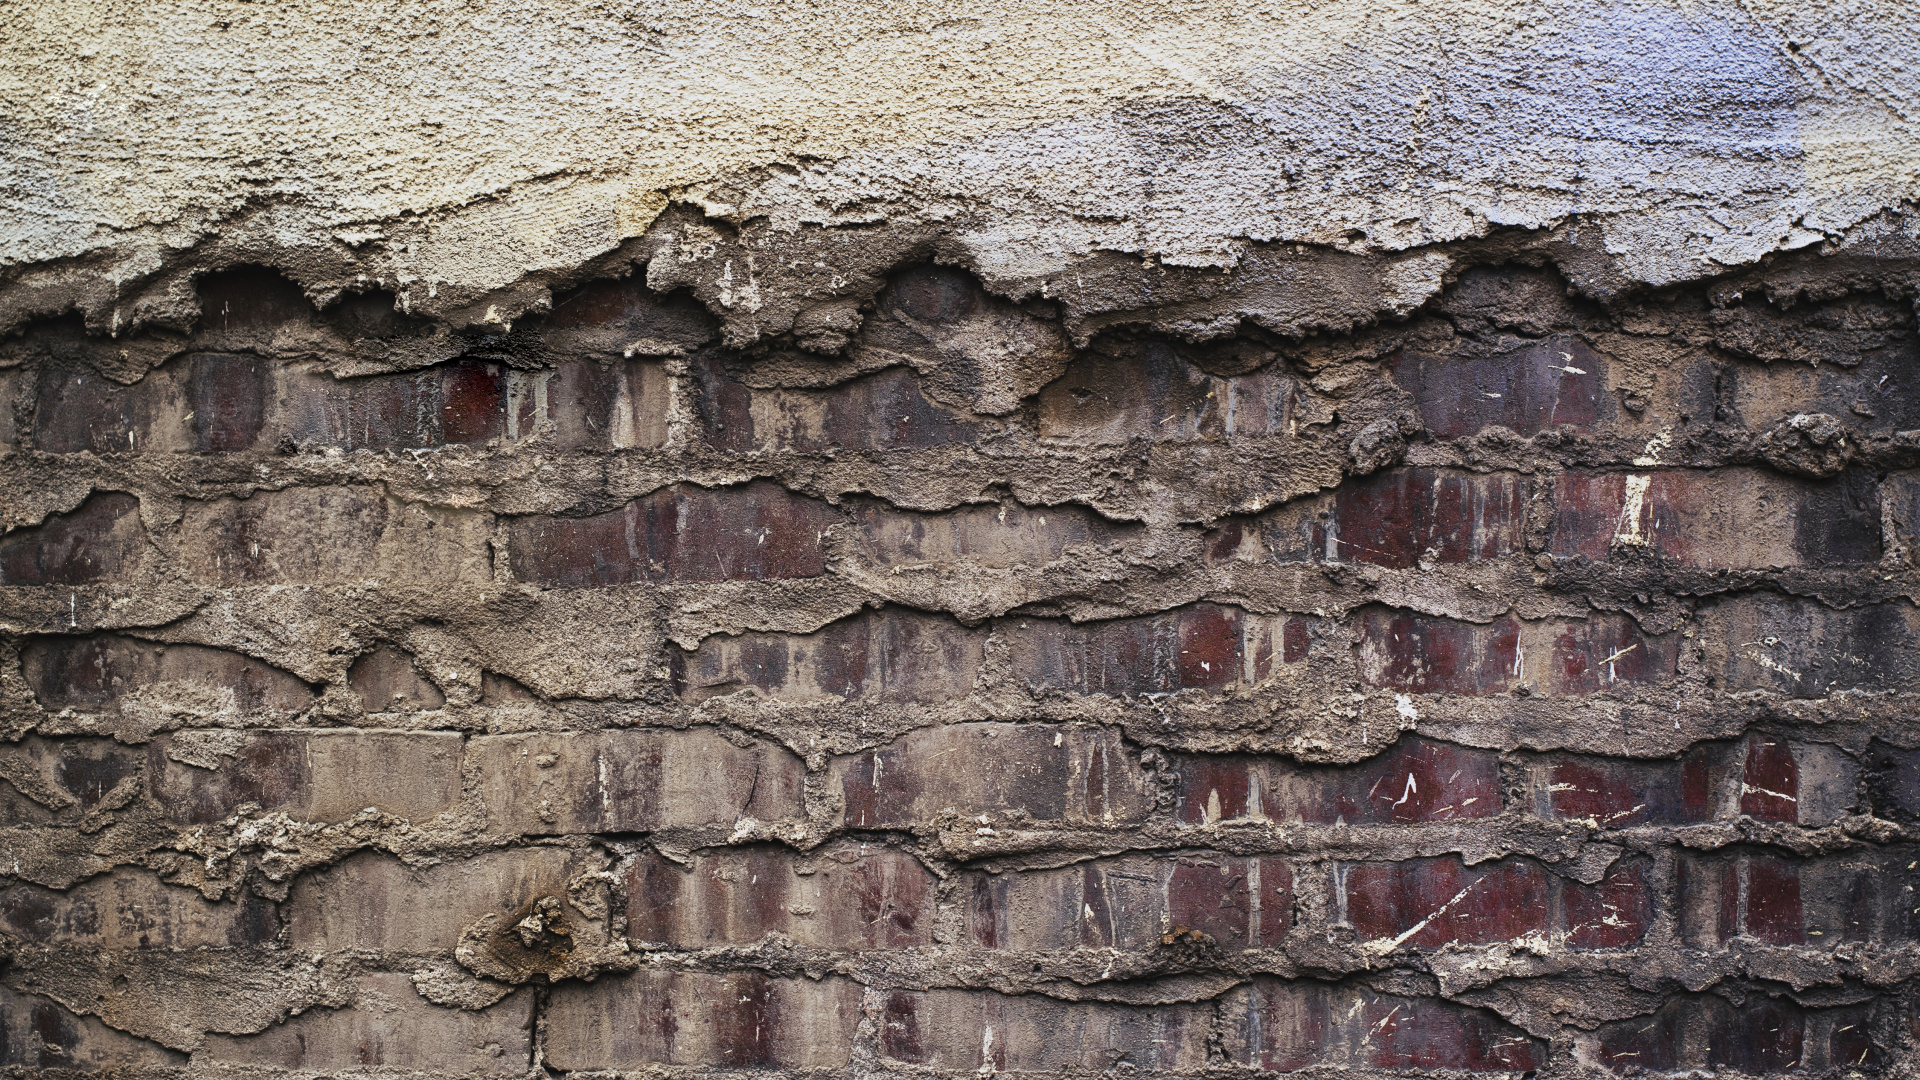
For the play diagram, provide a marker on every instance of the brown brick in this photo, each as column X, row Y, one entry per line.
column 133, row 909
column 849, row 896
column 101, row 672
column 72, row 774
column 624, row 781
column 466, row 401
column 1204, row 646
column 964, row 1030
column 332, row 535
column 100, row 541
column 202, row 402
column 1417, row 780
column 1762, row 777
column 894, row 655
column 684, row 533
column 1046, row 772
column 999, row 537
column 1399, row 518
column 1533, row 388
column 374, row 902
column 388, row 1026
column 1804, row 649
column 1401, row 650
column 1149, row 392
column 738, row 1021
column 623, row 318
column 1721, row 519
column 1702, row 1031
column 313, row 775
column 388, row 680
column 1785, row 901
column 884, row 411
column 1432, row 903
column 37, row 1035
column 1130, row 903
column 1278, row 1025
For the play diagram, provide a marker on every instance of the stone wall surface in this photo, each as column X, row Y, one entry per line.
column 1125, row 539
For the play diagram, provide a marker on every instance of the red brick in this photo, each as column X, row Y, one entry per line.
column 373, row 902
column 849, row 896
column 679, row 534
column 1417, row 780
column 963, row 1031
column 1761, row 1036
column 1729, row 518
column 1042, row 771
column 333, row 535
column 313, row 775
column 1148, row 392
column 1130, row 903
column 1526, row 390
column 1271, row 1024
column 99, row 673
column 1404, row 651
column 1804, row 649
column 1431, row 903
column 1399, row 518
column 893, row 655
column 388, row 1026
column 101, row 541
column 133, row 909
column 1781, row 901
column 627, row 781
column 1201, row 647
column 36, row 1034
column 884, row 411
column 1762, row 777
column 737, row 1021
column 388, row 680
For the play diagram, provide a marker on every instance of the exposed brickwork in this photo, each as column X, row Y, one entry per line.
column 948, row 683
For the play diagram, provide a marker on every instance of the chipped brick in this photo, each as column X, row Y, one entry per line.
column 1405, row 651
column 1721, row 519
column 133, row 909
column 1048, row 773
column 100, row 542
column 1417, row 780
column 388, row 1026
column 333, row 535
column 1804, row 649
column 314, row 775
column 893, row 655
column 1151, row 393
column 887, row 410
column 105, row 672
column 1273, row 1024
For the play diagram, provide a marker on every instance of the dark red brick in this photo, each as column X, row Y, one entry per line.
column 98, row 672
column 1729, row 518
column 1539, row 386
column 850, row 896
column 101, row 541
column 1610, row 915
column 683, row 533
column 1201, row 647
column 1402, row 518
column 315, row 775
column 1804, row 649
column 1762, row 1036
column 1147, row 391
column 630, row 781
column 1045, row 772
column 887, row 410
column 1428, row 903
column 1770, row 788
column 1761, row 776
column 1285, row 1026
column 1404, row 651
column 965, row 1031
column 1730, row 895
column 893, row 655
column 1131, row 903
column 733, row 1021
column 1417, row 780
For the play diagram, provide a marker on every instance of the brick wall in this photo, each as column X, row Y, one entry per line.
column 950, row 683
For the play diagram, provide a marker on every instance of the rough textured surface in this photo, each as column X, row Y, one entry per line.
column 1378, row 538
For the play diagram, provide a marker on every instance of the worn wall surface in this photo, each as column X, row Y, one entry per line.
column 1160, row 539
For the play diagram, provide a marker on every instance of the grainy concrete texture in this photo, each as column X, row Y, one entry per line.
column 907, row 540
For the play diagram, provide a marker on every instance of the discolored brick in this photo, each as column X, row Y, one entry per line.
column 1763, row 777
column 332, row 535
column 1761, row 1036
column 1784, row 901
column 849, row 896
column 1045, row 772
column 1280, row 1025
column 99, row 542
column 966, row 1030
column 389, row 1026
column 1149, row 392
column 887, row 410
column 312, row 775
column 1727, row 518
column 736, row 1021
column 624, row 781
column 1804, row 649
column 1429, row 904
column 1398, row 519
column 1131, row 903
column 1530, row 389
column 100, row 672
column 374, row 902
column 38, row 1034
column 1204, row 646
column 685, row 533
column 1416, row 780
column 1404, row 651
column 891, row 655
column 72, row 774
column 388, row 680
column 999, row 537
column 133, row 909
